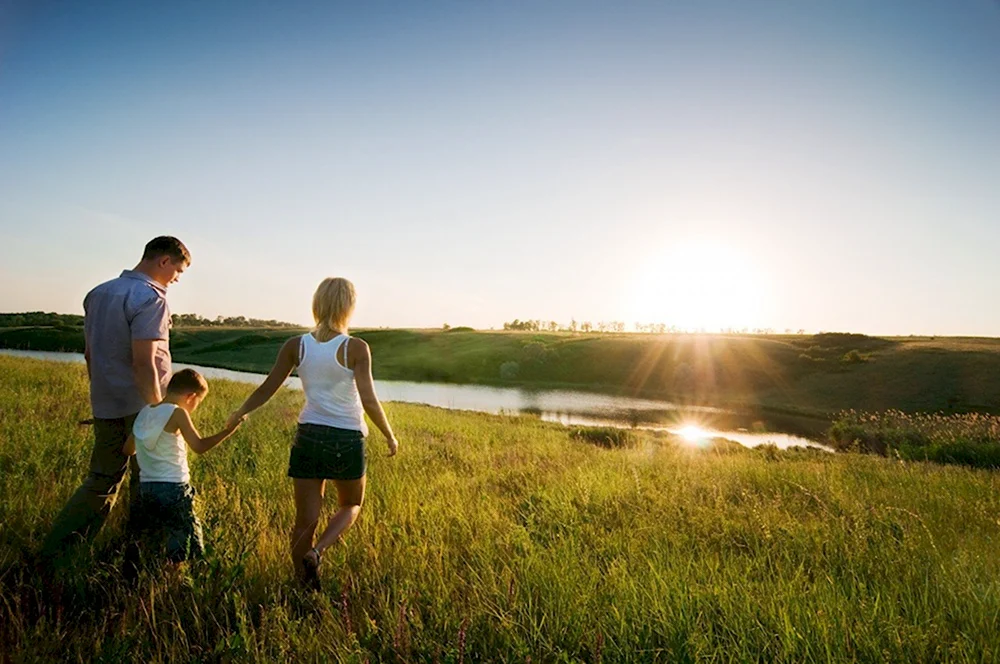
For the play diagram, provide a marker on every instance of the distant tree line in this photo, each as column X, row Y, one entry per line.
column 43, row 319
column 535, row 325
column 553, row 326
column 40, row 319
column 194, row 320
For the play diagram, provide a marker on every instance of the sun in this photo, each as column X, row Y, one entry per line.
column 691, row 433
column 699, row 286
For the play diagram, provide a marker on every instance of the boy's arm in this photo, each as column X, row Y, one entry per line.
column 193, row 438
column 128, row 449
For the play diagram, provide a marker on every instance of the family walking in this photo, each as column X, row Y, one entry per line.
column 142, row 418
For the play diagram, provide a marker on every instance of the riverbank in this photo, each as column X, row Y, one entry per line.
column 567, row 407
column 508, row 538
column 814, row 376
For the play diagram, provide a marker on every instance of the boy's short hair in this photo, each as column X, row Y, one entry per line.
column 186, row 381
column 166, row 245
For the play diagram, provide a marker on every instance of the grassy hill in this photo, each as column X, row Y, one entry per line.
column 493, row 538
column 818, row 374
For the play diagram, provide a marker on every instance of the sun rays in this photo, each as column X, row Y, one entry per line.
column 700, row 285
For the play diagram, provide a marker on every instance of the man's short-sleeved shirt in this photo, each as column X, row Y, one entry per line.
column 130, row 308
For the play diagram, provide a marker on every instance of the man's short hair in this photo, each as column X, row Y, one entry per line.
column 166, row 245
column 187, row 381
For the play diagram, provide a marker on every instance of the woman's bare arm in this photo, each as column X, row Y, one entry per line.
column 362, row 357
column 288, row 358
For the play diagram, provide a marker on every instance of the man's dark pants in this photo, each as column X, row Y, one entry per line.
column 82, row 517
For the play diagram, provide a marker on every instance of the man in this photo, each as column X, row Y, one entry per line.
column 126, row 329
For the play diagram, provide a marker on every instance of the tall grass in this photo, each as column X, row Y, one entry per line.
column 971, row 439
column 494, row 538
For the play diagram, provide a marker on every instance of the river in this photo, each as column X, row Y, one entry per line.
column 567, row 407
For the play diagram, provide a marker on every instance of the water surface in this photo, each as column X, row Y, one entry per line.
column 567, row 407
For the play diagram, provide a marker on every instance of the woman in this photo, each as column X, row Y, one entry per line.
column 336, row 373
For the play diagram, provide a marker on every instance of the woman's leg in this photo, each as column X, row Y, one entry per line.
column 308, row 501
column 350, row 495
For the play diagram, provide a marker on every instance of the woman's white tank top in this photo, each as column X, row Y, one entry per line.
column 332, row 397
column 162, row 456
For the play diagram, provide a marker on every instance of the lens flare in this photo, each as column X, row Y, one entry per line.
column 692, row 433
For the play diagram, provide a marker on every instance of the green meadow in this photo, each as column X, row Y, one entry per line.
column 816, row 375
column 506, row 539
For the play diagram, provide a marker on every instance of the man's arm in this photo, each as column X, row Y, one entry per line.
column 128, row 449
column 86, row 342
column 144, row 370
column 149, row 325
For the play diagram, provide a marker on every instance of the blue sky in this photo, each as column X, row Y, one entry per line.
column 826, row 166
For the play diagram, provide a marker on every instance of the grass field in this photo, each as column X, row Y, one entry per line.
column 817, row 375
column 496, row 538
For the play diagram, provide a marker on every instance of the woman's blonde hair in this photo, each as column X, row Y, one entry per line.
column 333, row 304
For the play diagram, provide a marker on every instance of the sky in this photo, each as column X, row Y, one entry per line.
column 826, row 166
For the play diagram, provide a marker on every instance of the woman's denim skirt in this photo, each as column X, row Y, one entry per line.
column 327, row 453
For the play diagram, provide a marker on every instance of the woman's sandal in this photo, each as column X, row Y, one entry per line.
column 311, row 567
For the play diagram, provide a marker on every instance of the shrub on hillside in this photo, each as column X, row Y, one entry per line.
column 510, row 370
column 536, row 352
column 855, row 357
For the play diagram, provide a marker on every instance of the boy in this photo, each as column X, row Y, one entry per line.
column 166, row 498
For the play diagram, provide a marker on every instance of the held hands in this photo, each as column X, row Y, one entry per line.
column 235, row 420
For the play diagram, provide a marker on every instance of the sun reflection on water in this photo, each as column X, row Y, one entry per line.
column 693, row 434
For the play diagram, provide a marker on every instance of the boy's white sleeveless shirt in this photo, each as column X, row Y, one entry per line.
column 162, row 456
